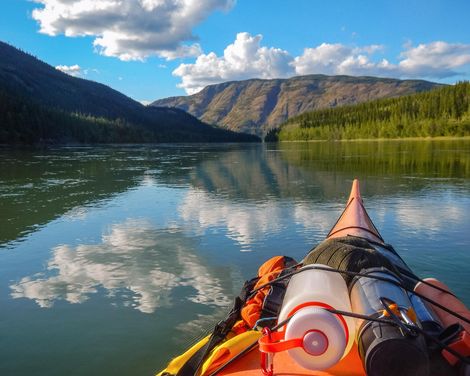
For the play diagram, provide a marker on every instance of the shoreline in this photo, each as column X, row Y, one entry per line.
column 439, row 138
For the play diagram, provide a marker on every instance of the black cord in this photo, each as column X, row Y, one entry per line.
column 441, row 344
column 412, row 327
column 399, row 323
column 353, row 274
column 413, row 277
column 386, row 304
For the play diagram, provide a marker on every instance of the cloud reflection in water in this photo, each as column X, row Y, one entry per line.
column 244, row 223
column 248, row 223
column 132, row 256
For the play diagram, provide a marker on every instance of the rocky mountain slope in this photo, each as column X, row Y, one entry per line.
column 257, row 106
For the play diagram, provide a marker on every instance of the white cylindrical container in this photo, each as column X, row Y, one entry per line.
column 327, row 337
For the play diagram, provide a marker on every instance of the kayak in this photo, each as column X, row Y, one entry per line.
column 395, row 350
column 354, row 221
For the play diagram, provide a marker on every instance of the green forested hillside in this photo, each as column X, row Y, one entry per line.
column 441, row 112
column 40, row 104
column 23, row 121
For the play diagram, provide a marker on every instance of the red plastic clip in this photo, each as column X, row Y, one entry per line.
column 266, row 357
column 461, row 345
column 271, row 343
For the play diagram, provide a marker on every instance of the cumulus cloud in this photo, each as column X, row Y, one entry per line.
column 245, row 58
column 433, row 60
column 73, row 70
column 134, row 257
column 437, row 59
column 340, row 59
column 131, row 29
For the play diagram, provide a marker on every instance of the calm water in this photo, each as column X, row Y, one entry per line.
column 113, row 259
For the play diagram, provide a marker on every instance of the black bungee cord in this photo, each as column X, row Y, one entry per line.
column 354, row 274
column 394, row 321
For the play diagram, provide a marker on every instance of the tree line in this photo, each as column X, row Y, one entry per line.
column 440, row 112
column 25, row 122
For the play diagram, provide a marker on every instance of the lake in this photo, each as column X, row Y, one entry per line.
column 113, row 259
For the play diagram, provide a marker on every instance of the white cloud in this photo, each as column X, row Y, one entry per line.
column 437, row 59
column 306, row 214
column 245, row 58
column 340, row 59
column 131, row 29
column 73, row 70
column 432, row 60
column 133, row 256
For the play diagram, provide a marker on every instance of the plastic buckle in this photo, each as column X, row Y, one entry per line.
column 267, row 367
column 220, row 328
column 461, row 344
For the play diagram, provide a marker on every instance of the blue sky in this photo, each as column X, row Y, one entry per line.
column 150, row 49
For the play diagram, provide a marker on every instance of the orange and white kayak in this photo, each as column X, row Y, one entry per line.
column 232, row 357
column 353, row 221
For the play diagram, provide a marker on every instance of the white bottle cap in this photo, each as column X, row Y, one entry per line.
column 324, row 338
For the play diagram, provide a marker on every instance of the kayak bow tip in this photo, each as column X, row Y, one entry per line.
column 354, row 220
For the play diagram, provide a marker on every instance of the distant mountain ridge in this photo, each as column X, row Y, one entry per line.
column 42, row 102
column 256, row 106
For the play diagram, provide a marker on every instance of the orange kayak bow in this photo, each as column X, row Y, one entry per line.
column 355, row 220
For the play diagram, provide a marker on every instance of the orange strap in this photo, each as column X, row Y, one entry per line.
column 273, row 342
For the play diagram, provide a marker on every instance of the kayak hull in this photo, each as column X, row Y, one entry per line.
column 249, row 365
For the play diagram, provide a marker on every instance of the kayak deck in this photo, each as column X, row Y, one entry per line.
column 249, row 365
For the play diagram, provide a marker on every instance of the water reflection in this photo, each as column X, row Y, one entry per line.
column 158, row 229
column 420, row 213
column 417, row 159
column 247, row 223
column 323, row 171
column 37, row 187
column 243, row 223
column 134, row 258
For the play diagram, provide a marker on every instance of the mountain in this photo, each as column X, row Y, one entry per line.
column 443, row 111
column 39, row 103
column 257, row 106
